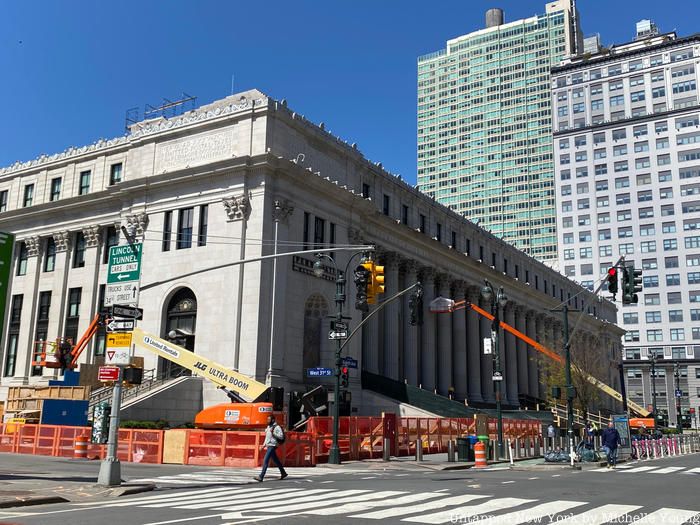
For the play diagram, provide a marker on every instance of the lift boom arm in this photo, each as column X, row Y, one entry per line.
column 248, row 389
column 552, row 355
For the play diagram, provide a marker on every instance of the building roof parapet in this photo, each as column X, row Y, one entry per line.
column 610, row 55
column 219, row 108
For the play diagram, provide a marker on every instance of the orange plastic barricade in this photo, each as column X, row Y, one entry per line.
column 80, row 449
column 480, row 455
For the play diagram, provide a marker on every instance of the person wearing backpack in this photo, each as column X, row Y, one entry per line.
column 274, row 436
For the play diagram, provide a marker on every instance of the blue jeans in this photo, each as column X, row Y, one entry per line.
column 611, row 454
column 271, row 454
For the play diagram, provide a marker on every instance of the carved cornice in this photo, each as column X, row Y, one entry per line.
column 33, row 245
column 142, row 129
column 62, row 241
column 92, row 236
column 237, row 207
column 281, row 209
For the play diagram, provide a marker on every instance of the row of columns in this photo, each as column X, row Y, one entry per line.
column 445, row 354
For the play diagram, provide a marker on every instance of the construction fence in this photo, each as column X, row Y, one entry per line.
column 359, row 438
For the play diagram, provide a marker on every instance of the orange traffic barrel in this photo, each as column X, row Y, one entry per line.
column 80, row 449
column 479, row 455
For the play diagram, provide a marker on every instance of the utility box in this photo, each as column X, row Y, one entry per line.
column 133, row 375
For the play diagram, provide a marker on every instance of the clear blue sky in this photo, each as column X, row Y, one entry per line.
column 69, row 69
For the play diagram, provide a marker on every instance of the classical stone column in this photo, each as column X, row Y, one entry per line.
column 487, row 390
column 511, row 357
column 521, row 350
column 411, row 341
column 531, row 376
column 459, row 344
column 427, row 350
column 541, row 338
column 391, row 317
column 370, row 348
column 474, row 349
column 444, row 335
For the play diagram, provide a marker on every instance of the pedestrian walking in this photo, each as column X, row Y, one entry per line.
column 550, row 436
column 611, row 439
column 274, row 436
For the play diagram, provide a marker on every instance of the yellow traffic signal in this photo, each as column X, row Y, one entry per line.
column 377, row 279
column 369, row 267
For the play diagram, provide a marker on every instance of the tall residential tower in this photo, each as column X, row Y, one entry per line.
column 627, row 156
column 485, row 124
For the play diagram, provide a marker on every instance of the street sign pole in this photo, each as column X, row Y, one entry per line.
column 110, row 468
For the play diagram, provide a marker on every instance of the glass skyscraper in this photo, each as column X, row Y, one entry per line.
column 485, row 125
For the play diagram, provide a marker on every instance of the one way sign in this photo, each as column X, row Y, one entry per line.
column 121, row 325
column 337, row 334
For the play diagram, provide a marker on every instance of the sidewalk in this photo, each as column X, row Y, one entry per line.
column 430, row 461
column 38, row 480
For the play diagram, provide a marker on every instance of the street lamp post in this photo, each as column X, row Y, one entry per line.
column 496, row 299
column 334, row 452
column 679, row 418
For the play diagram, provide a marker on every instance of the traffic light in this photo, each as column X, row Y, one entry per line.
column 377, row 279
column 415, row 305
column 344, row 377
column 369, row 289
column 612, row 281
column 631, row 284
column 361, row 281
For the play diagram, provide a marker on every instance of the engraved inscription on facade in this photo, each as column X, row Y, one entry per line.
column 193, row 151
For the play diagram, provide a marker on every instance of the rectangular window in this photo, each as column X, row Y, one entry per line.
column 673, row 279
column 55, row 189
column 385, row 205
column 693, row 278
column 184, row 228
column 13, row 335
column 115, row 174
column 453, row 243
column 319, row 232
column 3, row 201
column 365, row 190
column 670, row 245
column 50, row 257
column 649, row 264
column 404, row 214
column 422, row 226
column 203, row 225
column 84, row 182
column 654, row 335
column 79, row 251
column 438, row 234
column 648, row 246
column 74, row 297
column 167, row 230
column 111, row 239
column 674, row 297
column 22, row 259
column 28, row 195
column 675, row 316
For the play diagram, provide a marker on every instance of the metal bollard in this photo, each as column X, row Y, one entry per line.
column 450, row 451
column 419, row 450
column 386, row 451
column 537, row 448
column 510, row 450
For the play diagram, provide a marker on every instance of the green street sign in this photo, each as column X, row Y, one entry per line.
column 7, row 242
column 124, row 263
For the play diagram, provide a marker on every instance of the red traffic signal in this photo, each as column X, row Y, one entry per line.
column 344, row 376
column 612, row 281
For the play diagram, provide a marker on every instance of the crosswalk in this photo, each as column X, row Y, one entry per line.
column 635, row 468
column 262, row 503
column 234, row 476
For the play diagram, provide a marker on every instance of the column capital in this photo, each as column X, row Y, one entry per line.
column 443, row 280
column 62, row 241
column 237, row 207
column 531, row 315
column 33, row 245
column 392, row 260
column 473, row 294
column 92, row 236
column 519, row 309
column 281, row 209
column 136, row 224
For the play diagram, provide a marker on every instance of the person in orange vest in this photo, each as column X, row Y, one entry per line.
column 274, row 437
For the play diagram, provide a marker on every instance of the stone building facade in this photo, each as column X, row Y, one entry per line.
column 218, row 185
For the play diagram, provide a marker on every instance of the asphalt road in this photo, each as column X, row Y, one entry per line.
column 648, row 493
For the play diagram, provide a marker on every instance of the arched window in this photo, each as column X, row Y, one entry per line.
column 180, row 325
column 315, row 310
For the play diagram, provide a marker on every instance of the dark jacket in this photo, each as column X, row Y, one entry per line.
column 611, row 438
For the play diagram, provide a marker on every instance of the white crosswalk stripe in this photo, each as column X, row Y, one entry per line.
column 648, row 469
column 599, row 515
column 439, row 507
column 235, row 476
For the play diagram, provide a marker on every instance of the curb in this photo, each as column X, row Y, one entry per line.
column 41, row 500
